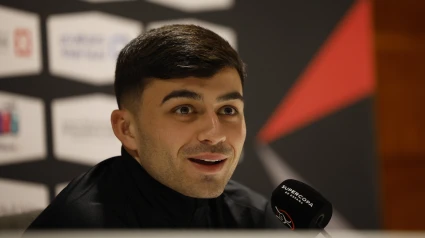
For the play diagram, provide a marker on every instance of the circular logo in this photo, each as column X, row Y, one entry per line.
column 284, row 217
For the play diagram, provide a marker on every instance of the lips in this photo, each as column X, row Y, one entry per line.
column 208, row 163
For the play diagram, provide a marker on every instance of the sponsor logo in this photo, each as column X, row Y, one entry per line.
column 284, row 217
column 93, row 47
column 9, row 126
column 87, row 136
column 22, row 42
column 297, row 196
column 84, row 46
column 88, row 128
column 9, row 120
column 22, row 134
column 78, row 46
column 116, row 43
column 19, row 43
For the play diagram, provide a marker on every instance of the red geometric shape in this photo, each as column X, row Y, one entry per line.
column 340, row 74
column 22, row 42
column 5, row 119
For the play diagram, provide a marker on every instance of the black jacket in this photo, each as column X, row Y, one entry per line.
column 119, row 193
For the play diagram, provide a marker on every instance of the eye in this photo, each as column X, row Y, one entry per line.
column 185, row 109
column 227, row 110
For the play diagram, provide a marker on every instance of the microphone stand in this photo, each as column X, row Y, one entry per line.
column 325, row 234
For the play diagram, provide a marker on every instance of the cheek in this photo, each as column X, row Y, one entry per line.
column 236, row 135
column 174, row 135
column 155, row 131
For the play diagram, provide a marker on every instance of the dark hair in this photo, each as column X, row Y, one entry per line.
column 172, row 51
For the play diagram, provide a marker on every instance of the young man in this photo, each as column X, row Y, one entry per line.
column 181, row 122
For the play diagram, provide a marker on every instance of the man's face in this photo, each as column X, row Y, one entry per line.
column 191, row 132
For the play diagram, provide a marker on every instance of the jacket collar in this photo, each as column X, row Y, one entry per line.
column 173, row 206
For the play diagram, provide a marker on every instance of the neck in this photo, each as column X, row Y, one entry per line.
column 164, row 200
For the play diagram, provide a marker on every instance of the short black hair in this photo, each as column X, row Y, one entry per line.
column 171, row 51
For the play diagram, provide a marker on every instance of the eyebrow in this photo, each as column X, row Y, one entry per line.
column 230, row 96
column 184, row 93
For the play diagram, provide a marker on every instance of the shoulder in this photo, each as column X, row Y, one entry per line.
column 80, row 203
column 246, row 206
column 85, row 184
column 244, row 196
column 249, row 208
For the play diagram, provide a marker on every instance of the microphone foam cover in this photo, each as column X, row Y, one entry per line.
column 299, row 206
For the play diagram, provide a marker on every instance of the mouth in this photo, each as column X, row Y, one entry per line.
column 208, row 164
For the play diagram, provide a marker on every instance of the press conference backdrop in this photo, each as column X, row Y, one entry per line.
column 309, row 93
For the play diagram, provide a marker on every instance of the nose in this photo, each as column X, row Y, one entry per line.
column 211, row 132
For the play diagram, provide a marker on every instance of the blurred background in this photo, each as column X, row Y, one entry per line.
column 334, row 97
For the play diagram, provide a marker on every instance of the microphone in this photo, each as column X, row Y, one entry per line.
column 298, row 206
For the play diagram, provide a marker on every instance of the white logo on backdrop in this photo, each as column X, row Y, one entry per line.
column 22, row 128
column 226, row 32
column 196, row 5
column 19, row 43
column 85, row 46
column 18, row 197
column 82, row 129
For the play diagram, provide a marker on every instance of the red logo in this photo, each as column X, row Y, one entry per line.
column 22, row 42
column 285, row 218
column 9, row 120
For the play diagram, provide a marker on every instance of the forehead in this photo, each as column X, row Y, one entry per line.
column 225, row 80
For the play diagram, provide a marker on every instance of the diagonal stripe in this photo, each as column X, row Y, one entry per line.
column 339, row 75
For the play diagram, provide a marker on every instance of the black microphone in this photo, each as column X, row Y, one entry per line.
column 299, row 207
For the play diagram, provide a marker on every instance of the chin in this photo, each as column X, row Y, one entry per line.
column 208, row 194
column 205, row 191
column 210, row 191
column 206, row 186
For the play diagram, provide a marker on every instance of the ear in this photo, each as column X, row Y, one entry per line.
column 124, row 126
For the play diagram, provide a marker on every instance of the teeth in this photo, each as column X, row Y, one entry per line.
column 207, row 160
column 212, row 161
